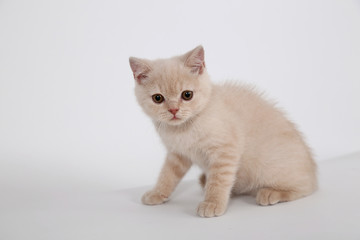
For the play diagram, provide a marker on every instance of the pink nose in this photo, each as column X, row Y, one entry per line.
column 173, row 111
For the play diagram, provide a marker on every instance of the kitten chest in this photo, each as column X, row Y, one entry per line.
column 185, row 143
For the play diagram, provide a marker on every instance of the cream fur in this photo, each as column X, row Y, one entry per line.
column 242, row 142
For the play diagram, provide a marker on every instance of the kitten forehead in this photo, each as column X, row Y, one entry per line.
column 171, row 76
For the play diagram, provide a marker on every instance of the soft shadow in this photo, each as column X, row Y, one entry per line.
column 185, row 198
column 182, row 193
column 247, row 199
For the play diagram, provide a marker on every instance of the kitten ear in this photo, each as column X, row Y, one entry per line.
column 140, row 69
column 195, row 60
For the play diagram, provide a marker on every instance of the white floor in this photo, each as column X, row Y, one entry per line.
column 43, row 213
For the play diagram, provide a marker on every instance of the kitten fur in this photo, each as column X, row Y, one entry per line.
column 243, row 144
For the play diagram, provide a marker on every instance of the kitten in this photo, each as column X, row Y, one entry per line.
column 243, row 144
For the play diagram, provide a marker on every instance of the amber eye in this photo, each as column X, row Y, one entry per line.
column 158, row 98
column 187, row 95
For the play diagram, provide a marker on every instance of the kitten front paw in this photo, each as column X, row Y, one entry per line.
column 153, row 197
column 211, row 209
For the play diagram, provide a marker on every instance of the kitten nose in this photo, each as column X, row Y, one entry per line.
column 173, row 111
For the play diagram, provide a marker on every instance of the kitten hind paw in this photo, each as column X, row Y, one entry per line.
column 153, row 197
column 269, row 196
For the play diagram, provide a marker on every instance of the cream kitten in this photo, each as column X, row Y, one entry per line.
column 243, row 144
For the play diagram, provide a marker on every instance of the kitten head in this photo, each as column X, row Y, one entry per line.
column 173, row 90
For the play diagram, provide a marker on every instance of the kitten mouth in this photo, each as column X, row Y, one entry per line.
column 175, row 120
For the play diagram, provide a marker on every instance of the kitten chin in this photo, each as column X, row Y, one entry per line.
column 176, row 122
column 243, row 143
column 171, row 124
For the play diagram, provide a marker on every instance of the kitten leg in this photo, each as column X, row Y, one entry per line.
column 219, row 181
column 270, row 196
column 172, row 171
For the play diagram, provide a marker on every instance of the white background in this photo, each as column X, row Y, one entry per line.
column 68, row 115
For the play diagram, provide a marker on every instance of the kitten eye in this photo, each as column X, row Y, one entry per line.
column 157, row 98
column 187, row 95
